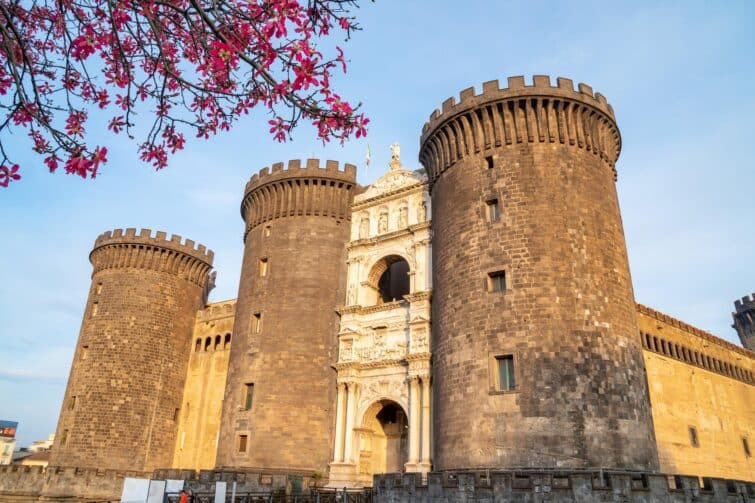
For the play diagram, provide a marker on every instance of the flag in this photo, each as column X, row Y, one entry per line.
column 367, row 156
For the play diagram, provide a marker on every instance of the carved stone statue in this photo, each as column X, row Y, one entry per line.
column 395, row 156
column 421, row 212
column 383, row 222
column 351, row 298
column 403, row 217
column 364, row 228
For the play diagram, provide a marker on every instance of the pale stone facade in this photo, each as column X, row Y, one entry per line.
column 384, row 398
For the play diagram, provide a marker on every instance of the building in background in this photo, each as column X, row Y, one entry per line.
column 7, row 441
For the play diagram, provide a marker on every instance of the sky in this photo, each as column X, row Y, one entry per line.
column 679, row 75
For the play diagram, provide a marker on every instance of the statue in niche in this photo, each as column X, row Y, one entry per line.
column 364, row 227
column 421, row 211
column 383, row 222
column 351, row 298
column 346, row 350
column 403, row 214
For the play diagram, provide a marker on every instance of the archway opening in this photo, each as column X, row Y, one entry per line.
column 385, row 449
column 394, row 282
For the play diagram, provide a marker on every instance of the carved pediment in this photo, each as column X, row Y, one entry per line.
column 392, row 181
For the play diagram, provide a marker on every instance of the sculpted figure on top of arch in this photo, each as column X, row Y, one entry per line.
column 364, row 227
column 383, row 222
column 421, row 212
column 403, row 217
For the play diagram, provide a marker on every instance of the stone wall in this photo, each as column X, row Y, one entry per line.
column 123, row 398
column 698, row 381
column 582, row 487
column 29, row 484
column 545, row 156
column 199, row 424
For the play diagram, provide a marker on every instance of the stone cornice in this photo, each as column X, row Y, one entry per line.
column 388, row 196
column 373, row 240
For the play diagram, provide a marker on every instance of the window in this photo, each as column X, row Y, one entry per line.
column 207, row 343
column 263, row 267
column 198, row 345
column 266, row 231
column 256, row 323
column 693, row 440
column 746, row 447
column 505, row 373
column 84, row 352
column 175, row 414
column 72, row 403
column 99, row 288
column 497, row 281
column 95, row 307
column 217, row 342
column 227, row 341
column 492, row 211
column 242, row 442
column 489, row 161
column 248, row 395
column 64, row 437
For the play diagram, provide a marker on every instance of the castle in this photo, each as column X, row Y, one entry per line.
column 474, row 315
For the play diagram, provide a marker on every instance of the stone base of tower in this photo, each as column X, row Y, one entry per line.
column 347, row 475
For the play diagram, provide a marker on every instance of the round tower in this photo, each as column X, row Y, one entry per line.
column 124, row 391
column 537, row 357
column 279, row 400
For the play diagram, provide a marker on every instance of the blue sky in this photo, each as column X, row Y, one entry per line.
column 679, row 75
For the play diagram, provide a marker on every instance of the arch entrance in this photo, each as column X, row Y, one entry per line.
column 383, row 447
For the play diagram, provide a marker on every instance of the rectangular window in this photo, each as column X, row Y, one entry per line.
column 263, row 267
column 489, row 161
column 99, row 288
column 84, row 352
column 505, row 368
column 64, row 437
column 94, row 309
column 693, row 440
column 256, row 323
column 497, row 281
column 175, row 414
column 492, row 210
column 248, row 395
column 72, row 403
column 266, row 231
column 746, row 447
column 242, row 442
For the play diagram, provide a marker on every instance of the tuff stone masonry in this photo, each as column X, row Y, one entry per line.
column 471, row 324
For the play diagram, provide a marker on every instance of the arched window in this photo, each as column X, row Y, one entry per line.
column 207, row 343
column 394, row 282
column 227, row 343
column 198, row 345
column 217, row 342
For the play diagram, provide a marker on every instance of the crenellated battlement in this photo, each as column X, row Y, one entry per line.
column 295, row 169
column 147, row 250
column 746, row 304
column 519, row 113
column 297, row 189
column 160, row 238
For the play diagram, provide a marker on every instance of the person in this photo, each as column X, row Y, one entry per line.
column 184, row 497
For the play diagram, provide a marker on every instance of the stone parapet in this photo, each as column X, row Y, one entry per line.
column 555, row 486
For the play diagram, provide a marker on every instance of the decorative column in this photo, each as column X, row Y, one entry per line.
column 351, row 398
column 426, row 463
column 340, row 395
column 414, row 412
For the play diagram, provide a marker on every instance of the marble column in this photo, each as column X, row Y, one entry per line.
column 426, row 422
column 340, row 396
column 414, row 425
column 351, row 398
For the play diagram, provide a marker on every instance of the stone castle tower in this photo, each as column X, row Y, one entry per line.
column 124, row 391
column 537, row 362
column 744, row 321
column 280, row 392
